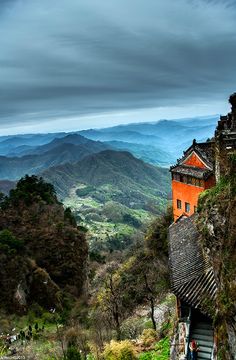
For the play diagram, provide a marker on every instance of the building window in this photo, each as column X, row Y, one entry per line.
column 190, row 180
column 187, row 207
column 176, row 177
column 179, row 204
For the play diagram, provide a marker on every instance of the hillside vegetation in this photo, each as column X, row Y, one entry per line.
column 43, row 255
column 217, row 224
column 113, row 194
column 125, row 311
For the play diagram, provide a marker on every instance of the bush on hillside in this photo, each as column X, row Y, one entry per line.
column 148, row 337
column 156, row 238
column 72, row 353
column 119, row 350
column 9, row 242
column 85, row 191
column 131, row 220
column 29, row 189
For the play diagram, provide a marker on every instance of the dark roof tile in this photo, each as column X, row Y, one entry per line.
column 204, row 150
column 196, row 172
column 192, row 277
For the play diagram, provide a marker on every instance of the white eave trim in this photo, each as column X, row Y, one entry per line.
column 193, row 152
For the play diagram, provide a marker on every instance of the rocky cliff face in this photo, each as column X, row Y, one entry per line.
column 217, row 225
column 42, row 253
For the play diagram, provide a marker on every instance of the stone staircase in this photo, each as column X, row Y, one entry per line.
column 203, row 333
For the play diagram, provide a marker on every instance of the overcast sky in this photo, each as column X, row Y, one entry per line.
column 76, row 64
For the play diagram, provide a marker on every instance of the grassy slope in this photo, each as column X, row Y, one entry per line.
column 111, row 185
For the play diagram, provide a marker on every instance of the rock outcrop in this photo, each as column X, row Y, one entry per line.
column 217, row 226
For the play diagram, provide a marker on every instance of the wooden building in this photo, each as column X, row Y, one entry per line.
column 192, row 174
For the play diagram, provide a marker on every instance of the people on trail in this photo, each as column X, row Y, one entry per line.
column 193, row 349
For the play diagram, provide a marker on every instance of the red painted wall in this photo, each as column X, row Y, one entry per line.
column 194, row 160
column 185, row 193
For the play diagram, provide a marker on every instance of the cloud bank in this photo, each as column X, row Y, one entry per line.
column 79, row 59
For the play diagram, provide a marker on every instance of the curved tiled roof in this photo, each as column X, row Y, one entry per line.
column 199, row 173
column 192, row 277
column 203, row 150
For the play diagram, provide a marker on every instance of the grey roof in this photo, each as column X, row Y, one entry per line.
column 192, row 277
column 203, row 150
column 196, row 172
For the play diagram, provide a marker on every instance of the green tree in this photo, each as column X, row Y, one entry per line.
column 31, row 188
column 8, row 240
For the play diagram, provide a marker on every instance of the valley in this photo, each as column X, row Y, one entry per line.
column 112, row 193
column 84, row 247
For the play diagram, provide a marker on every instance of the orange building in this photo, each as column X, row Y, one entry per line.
column 192, row 174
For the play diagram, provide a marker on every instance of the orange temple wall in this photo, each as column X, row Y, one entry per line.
column 189, row 194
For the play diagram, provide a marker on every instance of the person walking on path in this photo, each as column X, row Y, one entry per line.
column 193, row 349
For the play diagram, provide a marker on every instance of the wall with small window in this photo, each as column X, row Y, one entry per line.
column 187, row 207
column 185, row 198
column 179, row 204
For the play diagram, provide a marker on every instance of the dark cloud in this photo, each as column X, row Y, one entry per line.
column 89, row 56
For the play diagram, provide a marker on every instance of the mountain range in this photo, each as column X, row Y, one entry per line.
column 158, row 143
column 109, row 177
column 170, row 137
column 68, row 149
column 112, row 194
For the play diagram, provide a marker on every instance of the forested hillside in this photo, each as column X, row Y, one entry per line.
column 84, row 307
column 43, row 255
column 113, row 194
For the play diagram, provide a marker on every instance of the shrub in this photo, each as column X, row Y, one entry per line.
column 148, row 337
column 69, row 217
column 147, row 356
column 9, row 241
column 49, row 318
column 85, row 191
column 161, row 352
column 72, row 353
column 163, row 349
column 131, row 328
column 76, row 338
column 5, row 325
column 30, row 188
column 119, row 350
column 131, row 220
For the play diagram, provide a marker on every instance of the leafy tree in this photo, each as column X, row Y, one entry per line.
column 72, row 353
column 131, row 220
column 143, row 277
column 29, row 189
column 69, row 216
column 110, row 299
column 156, row 238
column 9, row 241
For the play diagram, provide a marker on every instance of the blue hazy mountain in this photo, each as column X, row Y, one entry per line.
column 68, row 149
column 158, row 143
